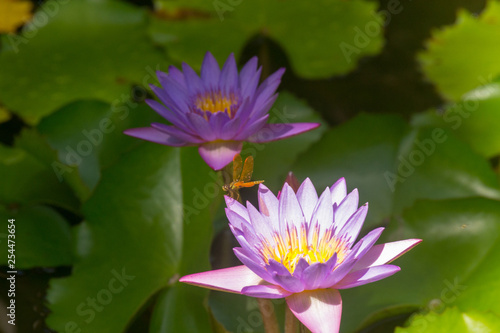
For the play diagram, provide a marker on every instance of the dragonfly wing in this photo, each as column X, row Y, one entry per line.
column 246, row 174
column 237, row 167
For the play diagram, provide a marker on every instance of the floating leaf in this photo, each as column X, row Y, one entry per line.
column 84, row 56
column 464, row 56
column 331, row 37
column 42, row 237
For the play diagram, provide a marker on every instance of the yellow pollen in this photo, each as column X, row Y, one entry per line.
column 216, row 102
column 293, row 245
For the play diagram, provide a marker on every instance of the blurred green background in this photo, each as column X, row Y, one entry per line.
column 408, row 94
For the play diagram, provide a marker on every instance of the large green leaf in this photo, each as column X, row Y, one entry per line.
column 475, row 119
column 181, row 308
column 436, row 165
column 452, row 320
column 465, row 55
column 42, row 237
column 393, row 165
column 28, row 180
column 457, row 236
column 361, row 150
column 129, row 246
column 87, row 49
column 329, row 38
column 87, row 136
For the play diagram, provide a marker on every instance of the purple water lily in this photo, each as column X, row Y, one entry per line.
column 302, row 247
column 216, row 111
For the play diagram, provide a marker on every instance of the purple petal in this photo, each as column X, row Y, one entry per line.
column 352, row 227
column 261, row 224
column 232, row 279
column 252, row 263
column 319, row 310
column 385, row 253
column 265, row 291
column 177, row 133
column 268, row 203
column 210, row 71
column 290, row 213
column 236, row 207
column 201, row 127
column 269, row 86
column 230, row 129
column 338, row 274
column 174, row 74
column 301, row 265
column 366, row 275
column 250, row 129
column 235, row 219
column 219, row 154
column 308, row 198
column 338, row 191
column 314, row 275
column 346, row 208
column 177, row 119
column 194, row 83
column 289, row 282
column 229, row 76
column 261, row 108
column 217, row 122
column 367, row 242
column 154, row 135
column 273, row 132
column 172, row 95
column 249, row 78
column 323, row 213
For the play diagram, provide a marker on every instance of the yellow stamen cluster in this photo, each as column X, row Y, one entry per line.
column 216, row 102
column 293, row 245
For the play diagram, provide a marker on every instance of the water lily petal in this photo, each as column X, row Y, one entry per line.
column 210, row 71
column 273, row 132
column 265, row 291
column 352, row 227
column 232, row 279
column 308, row 198
column 219, row 154
column 319, row 310
column 154, row 135
column 366, row 275
column 346, row 208
column 385, row 253
column 338, row 191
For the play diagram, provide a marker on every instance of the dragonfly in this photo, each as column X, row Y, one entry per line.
column 242, row 173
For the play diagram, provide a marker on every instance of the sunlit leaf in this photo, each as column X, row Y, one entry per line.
column 464, row 56
column 453, row 320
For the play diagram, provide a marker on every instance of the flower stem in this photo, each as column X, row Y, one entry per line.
column 266, row 308
column 290, row 322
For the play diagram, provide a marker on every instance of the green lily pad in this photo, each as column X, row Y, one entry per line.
column 88, row 136
column 318, row 46
column 27, row 180
column 458, row 235
column 90, row 49
column 361, row 150
column 464, row 56
column 453, row 320
column 129, row 247
column 474, row 120
column 42, row 237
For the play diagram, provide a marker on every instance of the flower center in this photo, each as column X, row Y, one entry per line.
column 288, row 249
column 214, row 102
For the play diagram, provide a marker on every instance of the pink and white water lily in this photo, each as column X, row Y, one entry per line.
column 302, row 248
